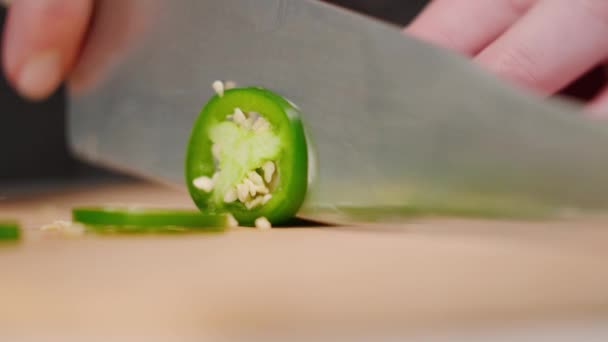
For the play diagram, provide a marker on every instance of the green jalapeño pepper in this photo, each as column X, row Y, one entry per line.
column 248, row 155
column 9, row 231
column 149, row 220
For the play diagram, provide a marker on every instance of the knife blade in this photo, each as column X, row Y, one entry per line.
column 396, row 124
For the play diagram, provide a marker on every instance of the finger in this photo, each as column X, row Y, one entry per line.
column 586, row 87
column 41, row 42
column 599, row 105
column 116, row 29
column 552, row 45
column 467, row 26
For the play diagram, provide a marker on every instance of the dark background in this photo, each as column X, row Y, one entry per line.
column 32, row 135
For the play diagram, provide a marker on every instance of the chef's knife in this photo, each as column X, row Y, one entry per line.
column 397, row 124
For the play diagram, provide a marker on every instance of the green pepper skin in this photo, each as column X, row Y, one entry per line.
column 291, row 164
column 147, row 220
column 9, row 231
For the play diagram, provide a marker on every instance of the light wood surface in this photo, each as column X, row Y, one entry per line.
column 422, row 275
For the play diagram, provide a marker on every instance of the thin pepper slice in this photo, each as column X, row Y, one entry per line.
column 9, row 231
column 248, row 155
column 139, row 220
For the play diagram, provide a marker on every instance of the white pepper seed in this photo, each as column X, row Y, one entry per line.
column 203, row 183
column 247, row 124
column 262, row 189
column 266, row 198
column 255, row 178
column 66, row 228
column 230, row 196
column 250, row 186
column 239, row 117
column 242, row 191
column 269, row 168
column 254, row 203
column 262, row 223
column 218, row 87
column 232, row 222
column 260, row 125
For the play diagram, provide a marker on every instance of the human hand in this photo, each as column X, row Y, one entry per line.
column 42, row 41
column 47, row 42
column 542, row 45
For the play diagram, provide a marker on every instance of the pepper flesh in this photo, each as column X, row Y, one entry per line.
column 235, row 139
column 9, row 231
column 148, row 220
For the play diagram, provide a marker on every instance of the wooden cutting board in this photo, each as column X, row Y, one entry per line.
column 418, row 276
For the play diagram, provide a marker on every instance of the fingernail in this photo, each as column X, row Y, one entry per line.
column 40, row 75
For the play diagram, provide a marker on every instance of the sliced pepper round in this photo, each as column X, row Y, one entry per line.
column 148, row 219
column 248, row 155
column 9, row 231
